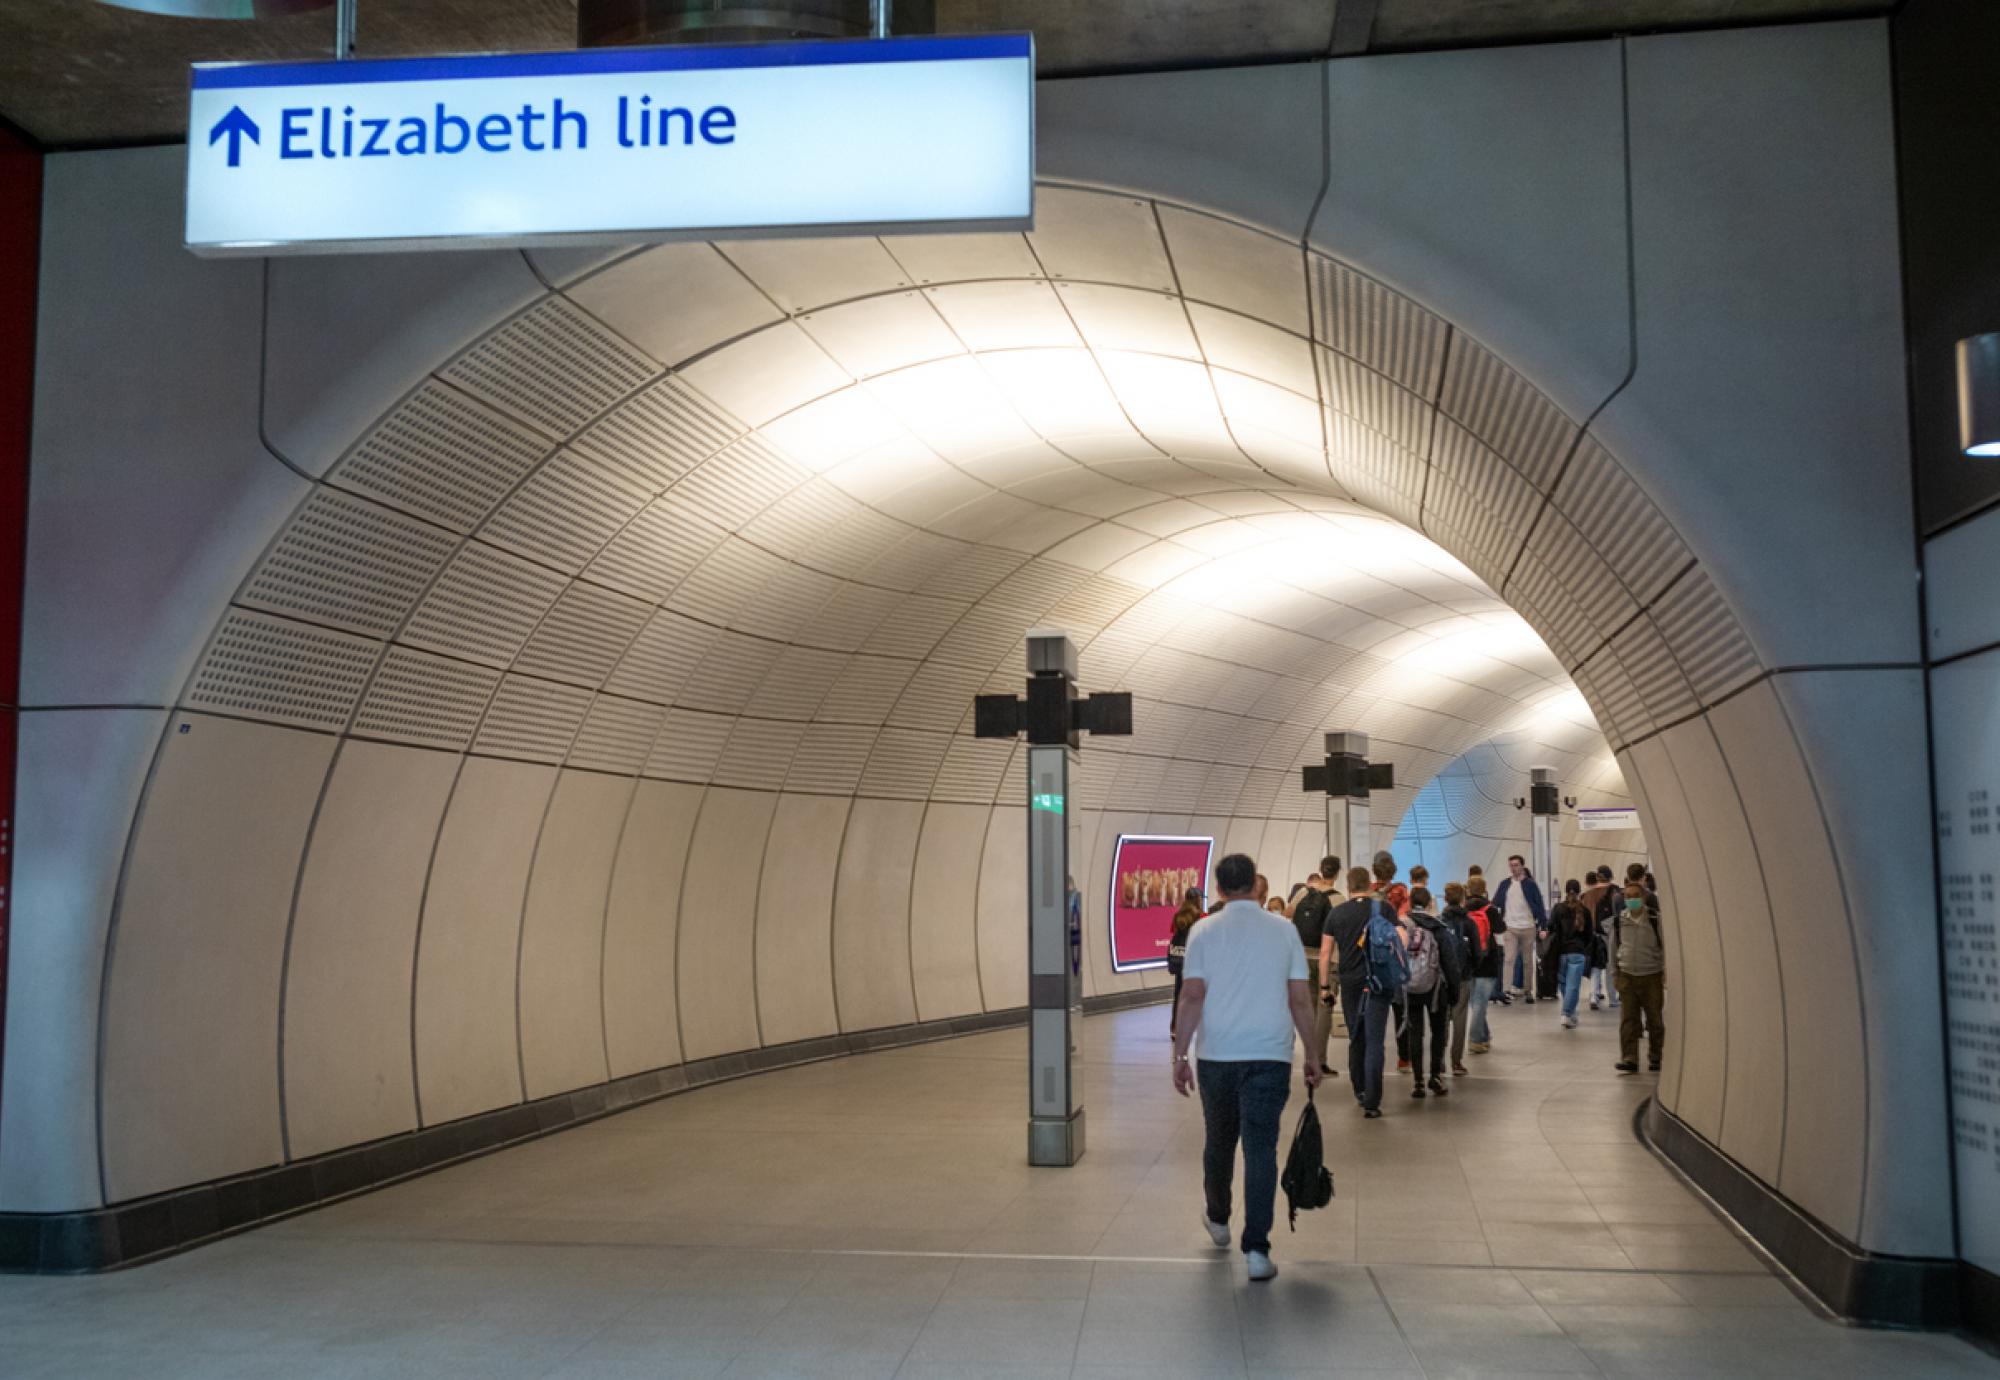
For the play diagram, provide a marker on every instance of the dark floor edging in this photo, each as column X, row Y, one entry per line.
column 148, row 1228
column 1861, row 1286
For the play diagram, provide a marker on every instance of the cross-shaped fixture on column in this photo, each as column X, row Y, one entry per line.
column 1345, row 778
column 1054, row 717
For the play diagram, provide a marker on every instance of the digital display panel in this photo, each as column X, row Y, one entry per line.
column 1149, row 875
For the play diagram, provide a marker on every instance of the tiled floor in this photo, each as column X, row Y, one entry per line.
column 873, row 1217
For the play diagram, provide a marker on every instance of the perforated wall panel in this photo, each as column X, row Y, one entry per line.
column 1375, row 402
column 661, row 658
column 830, row 758
column 689, row 746
column 292, row 673
column 441, row 455
column 616, row 735
column 1506, row 412
column 349, row 564
column 1384, row 330
column 553, row 366
column 484, row 605
column 1635, row 537
column 738, row 483
column 1706, row 638
column 972, row 770
column 428, row 700
column 565, row 513
column 657, row 551
column 904, row 763
column 583, row 636
column 758, row 754
column 533, row 720
column 659, row 435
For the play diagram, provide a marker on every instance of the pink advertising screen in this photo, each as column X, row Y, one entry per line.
column 1148, row 876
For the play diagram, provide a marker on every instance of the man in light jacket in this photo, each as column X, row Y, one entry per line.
column 1518, row 902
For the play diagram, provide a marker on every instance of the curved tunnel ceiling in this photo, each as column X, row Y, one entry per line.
column 834, row 482
column 753, row 523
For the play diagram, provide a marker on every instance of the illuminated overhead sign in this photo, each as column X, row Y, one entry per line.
column 1149, row 877
column 1609, row 817
column 613, row 145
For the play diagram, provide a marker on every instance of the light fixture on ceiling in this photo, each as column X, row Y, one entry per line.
column 1979, row 395
column 600, row 23
column 221, row 9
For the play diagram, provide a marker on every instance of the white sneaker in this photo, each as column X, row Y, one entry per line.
column 1569, row 1023
column 1261, row 1267
column 1218, row 1232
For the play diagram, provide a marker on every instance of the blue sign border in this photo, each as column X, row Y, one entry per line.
column 593, row 61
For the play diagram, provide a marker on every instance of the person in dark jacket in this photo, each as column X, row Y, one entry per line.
column 1600, row 895
column 1184, row 919
column 1429, row 1011
column 1454, row 918
column 1486, row 983
column 1572, row 938
column 1518, row 901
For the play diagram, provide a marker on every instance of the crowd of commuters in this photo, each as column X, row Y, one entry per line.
column 1386, row 957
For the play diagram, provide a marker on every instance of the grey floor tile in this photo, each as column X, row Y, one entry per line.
column 691, row 1237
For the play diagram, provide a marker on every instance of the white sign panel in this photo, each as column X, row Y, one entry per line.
column 613, row 145
column 1965, row 705
column 1608, row 817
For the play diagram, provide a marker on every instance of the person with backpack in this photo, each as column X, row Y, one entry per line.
column 1486, row 966
column 1431, row 994
column 1572, row 938
column 1360, row 950
column 1177, row 939
column 1642, row 977
column 1309, row 914
column 1458, row 949
column 1246, row 994
column 1599, row 896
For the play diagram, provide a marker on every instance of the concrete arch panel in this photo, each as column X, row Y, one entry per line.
column 165, row 469
column 1737, row 337
column 1517, row 229
column 716, row 954
column 641, row 924
column 391, row 316
column 562, row 934
column 944, row 895
column 468, row 1055
column 190, row 1054
column 1753, row 1106
column 78, row 779
column 1231, row 142
column 1003, row 910
column 347, row 1070
column 1698, row 1043
column 795, row 915
column 1849, row 724
column 871, row 914
column 1822, row 995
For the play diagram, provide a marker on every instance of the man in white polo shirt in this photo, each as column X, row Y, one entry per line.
column 1245, row 990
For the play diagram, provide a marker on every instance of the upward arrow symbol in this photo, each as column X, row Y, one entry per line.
column 235, row 124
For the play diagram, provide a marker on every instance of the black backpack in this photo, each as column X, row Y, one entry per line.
column 1454, row 954
column 1307, row 1182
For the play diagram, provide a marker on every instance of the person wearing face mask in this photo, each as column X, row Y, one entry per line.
column 1642, row 978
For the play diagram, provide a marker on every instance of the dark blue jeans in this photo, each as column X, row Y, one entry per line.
column 1243, row 1101
column 1367, row 1034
